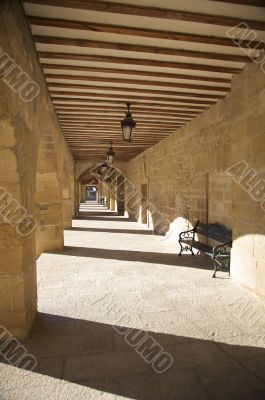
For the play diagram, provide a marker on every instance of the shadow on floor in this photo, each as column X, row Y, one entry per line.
column 189, row 261
column 97, row 356
column 132, row 231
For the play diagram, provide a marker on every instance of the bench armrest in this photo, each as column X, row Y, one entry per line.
column 190, row 234
column 222, row 248
column 187, row 234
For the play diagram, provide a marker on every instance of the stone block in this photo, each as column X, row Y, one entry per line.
column 261, row 277
column 243, row 268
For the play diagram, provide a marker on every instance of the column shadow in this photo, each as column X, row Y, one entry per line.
column 94, row 355
column 188, row 261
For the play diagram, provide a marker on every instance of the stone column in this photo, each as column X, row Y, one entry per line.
column 120, row 195
column 83, row 193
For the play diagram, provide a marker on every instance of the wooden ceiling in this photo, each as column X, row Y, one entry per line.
column 172, row 59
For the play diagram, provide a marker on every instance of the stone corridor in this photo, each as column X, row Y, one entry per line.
column 115, row 272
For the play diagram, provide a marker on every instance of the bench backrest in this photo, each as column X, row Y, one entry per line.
column 214, row 231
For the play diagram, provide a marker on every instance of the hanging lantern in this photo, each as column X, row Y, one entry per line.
column 103, row 169
column 110, row 154
column 128, row 125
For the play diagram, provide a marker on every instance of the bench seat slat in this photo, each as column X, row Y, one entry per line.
column 198, row 245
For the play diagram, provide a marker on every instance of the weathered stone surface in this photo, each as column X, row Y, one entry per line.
column 187, row 174
column 35, row 166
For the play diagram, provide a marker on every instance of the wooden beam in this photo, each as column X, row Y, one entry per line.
column 138, row 108
column 87, row 147
column 139, row 82
column 100, row 118
column 65, row 102
column 115, row 139
column 103, row 146
column 117, row 146
column 251, row 3
column 111, row 126
column 99, row 115
column 113, row 71
column 139, row 32
column 118, row 120
column 94, row 44
column 153, row 12
column 105, row 139
column 138, row 61
column 95, row 128
column 150, row 131
column 77, row 96
column 153, row 117
column 132, row 90
column 80, row 112
column 157, row 122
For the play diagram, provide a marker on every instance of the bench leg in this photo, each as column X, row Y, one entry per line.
column 181, row 248
column 215, row 270
column 216, row 266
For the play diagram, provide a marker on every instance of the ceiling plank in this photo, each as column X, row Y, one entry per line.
column 64, row 101
column 139, row 82
column 138, row 107
column 153, row 12
column 96, row 128
column 252, row 3
column 93, row 44
column 61, row 111
column 77, row 95
column 138, row 61
column 113, row 71
column 118, row 119
column 149, row 116
column 112, row 126
column 132, row 90
column 149, row 131
column 140, row 32
column 95, row 116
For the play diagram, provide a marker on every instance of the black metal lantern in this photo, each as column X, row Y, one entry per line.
column 110, row 154
column 103, row 169
column 128, row 125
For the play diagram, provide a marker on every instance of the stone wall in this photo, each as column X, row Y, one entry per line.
column 33, row 157
column 187, row 178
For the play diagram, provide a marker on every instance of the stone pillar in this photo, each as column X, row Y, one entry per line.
column 48, row 197
column 77, row 198
column 83, row 193
column 112, row 202
column 109, row 197
column 68, row 195
column 120, row 195
column 18, row 286
column 99, row 192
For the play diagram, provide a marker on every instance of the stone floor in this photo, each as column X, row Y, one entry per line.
column 115, row 273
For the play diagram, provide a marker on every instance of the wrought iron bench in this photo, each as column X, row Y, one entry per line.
column 219, row 254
